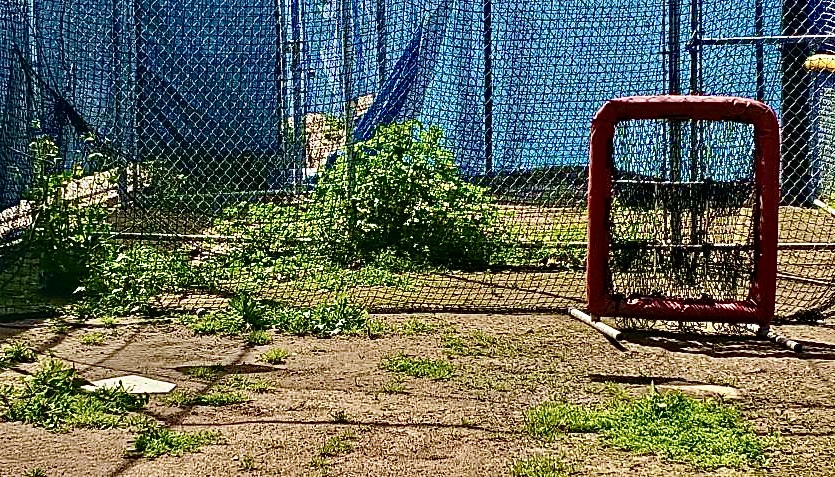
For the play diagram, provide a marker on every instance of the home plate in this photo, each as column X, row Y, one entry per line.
column 133, row 384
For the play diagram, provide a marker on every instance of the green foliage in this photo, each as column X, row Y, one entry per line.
column 52, row 398
column 14, row 353
column 414, row 326
column 246, row 383
column 153, row 441
column 402, row 192
column 67, row 232
column 437, row 369
column 247, row 315
column 214, row 399
column 539, row 466
column 92, row 339
column 706, row 434
column 477, row 343
column 275, row 356
column 258, row 338
column 206, row 373
column 338, row 444
column 393, row 386
column 126, row 280
column 324, row 320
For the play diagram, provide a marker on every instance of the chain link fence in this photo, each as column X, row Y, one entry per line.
column 408, row 155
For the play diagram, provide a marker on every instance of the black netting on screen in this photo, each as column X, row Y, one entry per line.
column 408, row 155
column 682, row 219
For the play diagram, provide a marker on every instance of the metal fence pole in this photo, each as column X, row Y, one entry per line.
column 488, row 85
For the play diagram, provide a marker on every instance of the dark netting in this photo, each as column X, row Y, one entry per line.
column 408, row 155
column 682, row 219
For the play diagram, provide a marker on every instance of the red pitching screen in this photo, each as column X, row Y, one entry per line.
column 682, row 207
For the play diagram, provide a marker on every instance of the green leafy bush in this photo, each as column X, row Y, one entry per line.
column 68, row 231
column 402, row 191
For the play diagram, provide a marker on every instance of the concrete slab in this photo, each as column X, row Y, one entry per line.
column 133, row 384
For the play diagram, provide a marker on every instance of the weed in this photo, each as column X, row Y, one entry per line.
column 251, row 311
column 477, row 343
column 52, row 398
column 375, row 328
column 206, row 373
column 92, row 339
column 393, row 386
column 58, row 326
column 338, row 444
column 539, row 466
column 325, row 320
column 213, row 399
column 35, row 472
column 108, row 321
column 258, row 338
column 340, row 416
column 437, row 369
column 414, row 326
column 246, row 383
column 275, row 356
column 706, row 434
column 213, row 323
column 16, row 352
column 154, row 441
column 247, row 463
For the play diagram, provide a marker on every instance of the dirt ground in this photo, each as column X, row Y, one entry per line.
column 470, row 425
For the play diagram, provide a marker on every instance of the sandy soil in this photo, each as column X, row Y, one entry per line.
column 470, row 425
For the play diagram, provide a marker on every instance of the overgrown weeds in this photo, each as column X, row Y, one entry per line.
column 52, row 398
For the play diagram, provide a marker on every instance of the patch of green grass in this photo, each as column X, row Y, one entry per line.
column 477, row 343
column 337, row 445
column 206, row 373
column 245, row 383
column 375, row 328
column 155, row 441
column 16, row 352
column 414, row 326
column 275, row 356
column 52, row 398
column 108, row 321
column 704, row 433
column 437, row 369
column 213, row 399
column 393, row 386
column 539, row 466
column 258, row 338
column 95, row 338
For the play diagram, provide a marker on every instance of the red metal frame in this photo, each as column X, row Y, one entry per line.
column 759, row 306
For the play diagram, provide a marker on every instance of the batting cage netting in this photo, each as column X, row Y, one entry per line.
column 402, row 155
